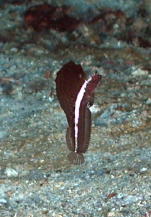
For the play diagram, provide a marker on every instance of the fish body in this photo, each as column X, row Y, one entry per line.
column 75, row 94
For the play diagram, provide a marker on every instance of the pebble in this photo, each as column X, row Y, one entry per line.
column 10, row 172
column 110, row 214
column 139, row 72
column 95, row 109
column 143, row 169
column 148, row 102
column 14, row 49
column 3, row 201
column 131, row 199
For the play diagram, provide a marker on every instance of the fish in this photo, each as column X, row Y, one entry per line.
column 76, row 95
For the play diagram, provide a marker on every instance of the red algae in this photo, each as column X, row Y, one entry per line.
column 45, row 16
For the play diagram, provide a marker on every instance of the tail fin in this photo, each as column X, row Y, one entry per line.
column 76, row 158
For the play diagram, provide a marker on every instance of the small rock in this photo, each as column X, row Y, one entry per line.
column 14, row 49
column 139, row 72
column 110, row 214
column 142, row 170
column 131, row 199
column 10, row 172
column 3, row 201
column 148, row 102
column 95, row 109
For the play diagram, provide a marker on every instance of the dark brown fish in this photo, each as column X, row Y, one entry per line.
column 75, row 95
